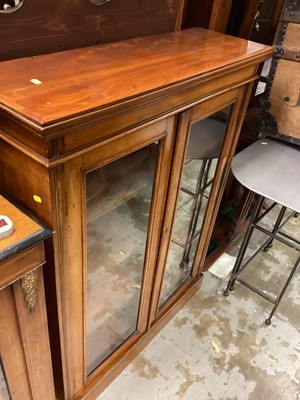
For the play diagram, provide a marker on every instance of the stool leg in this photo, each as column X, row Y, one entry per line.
column 276, row 226
column 200, row 187
column 279, row 297
column 242, row 251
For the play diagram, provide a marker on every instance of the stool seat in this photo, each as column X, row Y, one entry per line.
column 206, row 139
column 271, row 169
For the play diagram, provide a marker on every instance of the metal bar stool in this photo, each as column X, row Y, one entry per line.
column 271, row 169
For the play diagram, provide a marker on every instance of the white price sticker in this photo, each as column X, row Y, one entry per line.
column 6, row 227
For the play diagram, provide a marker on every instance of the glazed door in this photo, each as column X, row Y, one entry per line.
column 118, row 207
column 198, row 172
column 113, row 200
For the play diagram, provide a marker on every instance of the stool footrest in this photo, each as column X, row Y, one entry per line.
column 257, row 291
column 277, row 234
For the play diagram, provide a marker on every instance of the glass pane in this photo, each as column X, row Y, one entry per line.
column 118, row 208
column 204, row 147
column 4, row 393
column 261, row 85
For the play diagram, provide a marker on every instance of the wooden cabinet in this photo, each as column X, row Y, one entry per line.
column 25, row 361
column 111, row 140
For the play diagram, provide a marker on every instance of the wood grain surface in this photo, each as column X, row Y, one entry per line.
column 23, row 225
column 40, row 27
column 73, row 82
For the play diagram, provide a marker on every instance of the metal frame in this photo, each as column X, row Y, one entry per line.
column 277, row 234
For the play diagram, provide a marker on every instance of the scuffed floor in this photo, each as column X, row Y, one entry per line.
column 220, row 348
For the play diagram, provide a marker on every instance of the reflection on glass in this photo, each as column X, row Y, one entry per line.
column 261, row 86
column 4, row 393
column 204, row 148
column 118, row 207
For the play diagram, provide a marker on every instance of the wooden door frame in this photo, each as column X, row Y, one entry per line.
column 235, row 98
column 70, row 252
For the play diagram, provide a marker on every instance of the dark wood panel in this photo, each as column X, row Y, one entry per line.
column 197, row 14
column 220, row 15
column 40, row 27
column 255, row 19
column 211, row 14
column 266, row 21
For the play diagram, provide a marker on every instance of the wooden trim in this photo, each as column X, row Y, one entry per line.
column 58, row 160
column 219, row 102
column 14, row 268
column 155, row 222
column 173, row 300
column 210, row 216
column 180, row 15
column 91, row 391
column 24, row 346
column 57, row 129
column 159, row 193
column 35, row 340
column 173, row 193
column 69, row 273
column 227, row 154
column 12, row 353
column 123, row 145
column 220, row 15
column 216, row 190
column 72, row 267
column 25, row 149
column 196, row 113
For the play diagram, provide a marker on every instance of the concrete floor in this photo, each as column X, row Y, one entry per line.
column 220, row 348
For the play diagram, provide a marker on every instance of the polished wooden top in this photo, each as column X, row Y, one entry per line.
column 54, row 87
column 26, row 231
